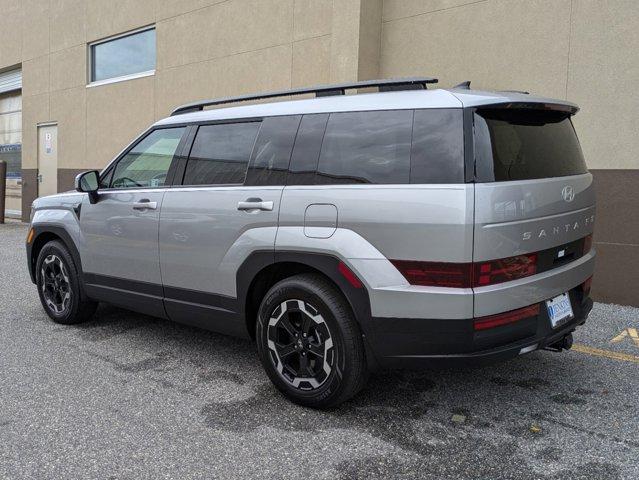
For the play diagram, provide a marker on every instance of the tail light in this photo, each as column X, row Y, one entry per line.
column 435, row 274
column 466, row 275
column 479, row 274
column 505, row 269
column 492, row 321
column 587, row 243
column 585, row 287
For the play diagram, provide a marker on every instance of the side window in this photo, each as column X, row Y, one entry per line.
column 437, row 154
column 307, row 150
column 147, row 163
column 105, row 181
column 272, row 152
column 367, row 147
column 220, row 154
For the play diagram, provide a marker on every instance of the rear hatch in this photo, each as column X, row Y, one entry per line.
column 534, row 206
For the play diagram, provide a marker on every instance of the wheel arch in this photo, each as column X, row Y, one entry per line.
column 42, row 236
column 261, row 270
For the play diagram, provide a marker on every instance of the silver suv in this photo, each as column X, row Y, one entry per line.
column 401, row 228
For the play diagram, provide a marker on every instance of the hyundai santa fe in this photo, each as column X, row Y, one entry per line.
column 402, row 228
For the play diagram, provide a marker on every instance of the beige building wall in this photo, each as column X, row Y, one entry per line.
column 205, row 48
column 581, row 50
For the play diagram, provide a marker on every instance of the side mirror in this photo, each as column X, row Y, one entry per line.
column 88, row 182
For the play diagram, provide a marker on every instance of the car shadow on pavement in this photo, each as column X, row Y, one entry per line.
column 480, row 416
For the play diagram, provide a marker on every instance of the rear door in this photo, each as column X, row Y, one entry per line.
column 533, row 195
column 120, row 231
column 225, row 207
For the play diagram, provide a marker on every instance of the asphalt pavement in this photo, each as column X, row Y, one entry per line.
column 127, row 396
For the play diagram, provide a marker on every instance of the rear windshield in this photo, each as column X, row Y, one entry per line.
column 524, row 144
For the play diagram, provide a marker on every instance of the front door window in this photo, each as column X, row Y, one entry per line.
column 147, row 164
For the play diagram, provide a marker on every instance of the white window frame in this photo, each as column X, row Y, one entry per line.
column 121, row 78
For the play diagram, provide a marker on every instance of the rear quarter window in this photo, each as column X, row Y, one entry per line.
column 437, row 154
column 525, row 144
column 381, row 147
column 366, row 147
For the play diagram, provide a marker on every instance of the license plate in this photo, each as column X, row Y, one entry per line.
column 559, row 310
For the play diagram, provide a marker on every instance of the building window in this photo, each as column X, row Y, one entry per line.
column 11, row 141
column 122, row 57
column 11, row 132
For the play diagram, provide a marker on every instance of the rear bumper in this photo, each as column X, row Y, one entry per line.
column 424, row 343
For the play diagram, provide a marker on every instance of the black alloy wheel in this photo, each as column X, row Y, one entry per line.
column 309, row 342
column 300, row 344
column 56, row 287
column 60, row 287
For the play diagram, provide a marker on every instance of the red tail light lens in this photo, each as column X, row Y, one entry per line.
column 466, row 275
column 435, row 274
column 587, row 243
column 505, row 269
column 492, row 321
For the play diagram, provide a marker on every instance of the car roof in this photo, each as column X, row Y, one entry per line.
column 395, row 100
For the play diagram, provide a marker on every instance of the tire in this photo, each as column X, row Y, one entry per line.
column 335, row 366
column 59, row 286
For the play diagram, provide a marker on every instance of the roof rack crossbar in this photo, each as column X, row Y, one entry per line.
column 319, row 91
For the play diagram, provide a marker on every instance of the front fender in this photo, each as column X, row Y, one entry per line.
column 50, row 221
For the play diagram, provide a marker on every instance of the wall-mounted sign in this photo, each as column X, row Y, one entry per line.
column 48, row 147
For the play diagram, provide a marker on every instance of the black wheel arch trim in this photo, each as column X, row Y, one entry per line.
column 326, row 264
column 61, row 233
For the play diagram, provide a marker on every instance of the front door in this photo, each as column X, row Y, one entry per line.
column 120, row 255
column 47, row 160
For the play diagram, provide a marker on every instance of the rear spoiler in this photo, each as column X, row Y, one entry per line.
column 569, row 108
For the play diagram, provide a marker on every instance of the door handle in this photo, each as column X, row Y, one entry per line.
column 145, row 204
column 255, row 204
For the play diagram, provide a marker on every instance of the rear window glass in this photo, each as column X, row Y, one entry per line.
column 306, row 151
column 220, row 154
column 437, row 154
column 366, row 147
column 272, row 152
column 523, row 144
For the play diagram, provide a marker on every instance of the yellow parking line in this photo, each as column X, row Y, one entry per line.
column 624, row 357
column 628, row 332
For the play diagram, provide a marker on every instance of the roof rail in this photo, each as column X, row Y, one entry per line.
column 411, row 83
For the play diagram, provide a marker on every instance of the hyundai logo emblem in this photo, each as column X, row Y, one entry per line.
column 568, row 193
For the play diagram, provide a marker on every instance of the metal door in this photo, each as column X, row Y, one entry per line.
column 47, row 159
